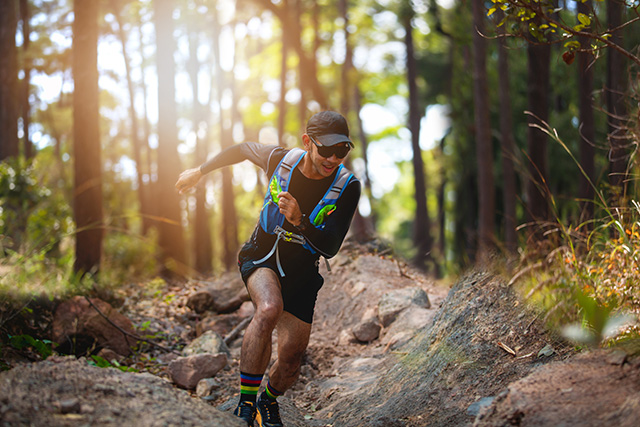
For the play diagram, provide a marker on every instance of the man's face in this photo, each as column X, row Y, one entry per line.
column 323, row 166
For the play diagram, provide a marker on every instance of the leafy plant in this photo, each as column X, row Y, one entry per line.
column 20, row 342
column 101, row 362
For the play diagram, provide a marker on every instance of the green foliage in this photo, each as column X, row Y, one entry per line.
column 101, row 362
column 20, row 342
column 128, row 257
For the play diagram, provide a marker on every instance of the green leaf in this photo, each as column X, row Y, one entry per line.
column 491, row 11
column 573, row 44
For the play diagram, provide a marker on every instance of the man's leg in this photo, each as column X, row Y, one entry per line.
column 264, row 290
column 293, row 337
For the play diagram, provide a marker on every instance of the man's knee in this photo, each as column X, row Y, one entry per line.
column 269, row 312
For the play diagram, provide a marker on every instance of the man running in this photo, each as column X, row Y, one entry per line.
column 309, row 204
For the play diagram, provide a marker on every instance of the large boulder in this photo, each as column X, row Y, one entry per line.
column 79, row 325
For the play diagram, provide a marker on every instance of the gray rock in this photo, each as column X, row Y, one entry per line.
column 186, row 372
column 207, row 386
column 367, row 330
column 394, row 302
column 209, row 342
column 475, row 408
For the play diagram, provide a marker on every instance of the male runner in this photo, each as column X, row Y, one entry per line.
column 308, row 208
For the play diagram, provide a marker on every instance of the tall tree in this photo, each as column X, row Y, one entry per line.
column 9, row 143
column 25, row 17
column 539, row 56
column 171, row 239
column 203, row 249
column 587, row 125
column 615, row 93
column 136, row 144
column 484, row 152
column 87, row 196
column 507, row 144
column 229, row 226
column 422, row 223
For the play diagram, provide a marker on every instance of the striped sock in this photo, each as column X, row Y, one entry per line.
column 249, row 385
column 271, row 393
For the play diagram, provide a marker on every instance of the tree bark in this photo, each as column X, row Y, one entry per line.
column 616, row 89
column 538, row 100
column 171, row 239
column 9, row 142
column 87, row 198
column 484, row 152
column 136, row 144
column 282, row 113
column 422, row 224
column 203, row 249
column 25, row 16
column 229, row 226
column 507, row 145
column 587, row 126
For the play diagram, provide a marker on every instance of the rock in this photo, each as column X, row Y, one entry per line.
column 200, row 301
column 109, row 355
column 475, row 408
column 394, row 302
column 77, row 326
column 209, row 342
column 345, row 338
column 406, row 324
column 367, row 330
column 207, row 386
column 185, row 372
column 69, row 406
column 246, row 309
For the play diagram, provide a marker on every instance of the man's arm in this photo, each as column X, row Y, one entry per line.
column 327, row 241
column 252, row 151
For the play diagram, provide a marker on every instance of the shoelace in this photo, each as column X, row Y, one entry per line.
column 273, row 412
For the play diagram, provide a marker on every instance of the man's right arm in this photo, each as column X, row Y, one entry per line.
column 256, row 153
column 252, row 151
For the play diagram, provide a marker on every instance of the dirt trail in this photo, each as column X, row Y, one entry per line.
column 477, row 355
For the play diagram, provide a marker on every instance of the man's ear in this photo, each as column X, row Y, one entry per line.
column 306, row 142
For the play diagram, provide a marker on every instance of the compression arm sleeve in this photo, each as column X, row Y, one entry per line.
column 327, row 241
column 252, row 151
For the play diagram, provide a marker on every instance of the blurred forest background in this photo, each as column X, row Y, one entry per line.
column 504, row 127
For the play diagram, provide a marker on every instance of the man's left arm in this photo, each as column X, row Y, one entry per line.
column 327, row 240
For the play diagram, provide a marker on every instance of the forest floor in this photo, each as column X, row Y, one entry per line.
column 477, row 356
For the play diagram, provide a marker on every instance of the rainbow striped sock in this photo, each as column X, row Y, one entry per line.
column 271, row 393
column 249, row 385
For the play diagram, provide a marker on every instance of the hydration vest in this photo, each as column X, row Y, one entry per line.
column 271, row 220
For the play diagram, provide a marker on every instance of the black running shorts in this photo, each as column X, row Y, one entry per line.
column 299, row 286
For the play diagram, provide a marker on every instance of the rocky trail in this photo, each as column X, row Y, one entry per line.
column 389, row 347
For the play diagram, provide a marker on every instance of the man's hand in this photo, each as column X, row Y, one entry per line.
column 188, row 179
column 289, row 208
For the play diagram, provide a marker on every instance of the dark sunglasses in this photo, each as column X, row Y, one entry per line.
column 340, row 151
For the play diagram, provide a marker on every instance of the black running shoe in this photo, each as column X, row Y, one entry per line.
column 247, row 411
column 268, row 413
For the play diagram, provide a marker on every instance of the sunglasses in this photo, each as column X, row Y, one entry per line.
column 340, row 151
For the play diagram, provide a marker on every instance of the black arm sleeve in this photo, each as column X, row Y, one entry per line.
column 327, row 241
column 253, row 151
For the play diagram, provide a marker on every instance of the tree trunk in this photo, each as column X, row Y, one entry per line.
column 229, row 226
column 171, row 240
column 203, row 250
column 9, row 143
column 538, row 100
column 86, row 138
column 617, row 110
column 507, row 145
column 282, row 104
column 25, row 16
column 484, row 152
column 136, row 144
column 422, row 224
column 587, row 127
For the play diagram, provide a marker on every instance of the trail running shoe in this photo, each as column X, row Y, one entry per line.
column 268, row 413
column 246, row 410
